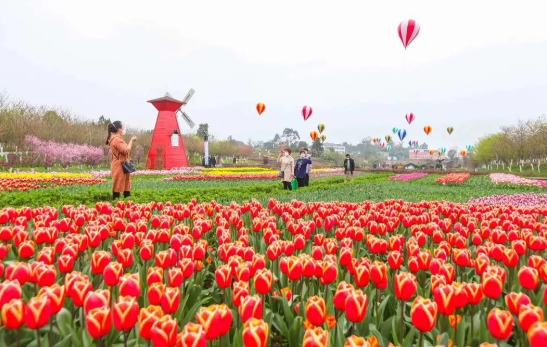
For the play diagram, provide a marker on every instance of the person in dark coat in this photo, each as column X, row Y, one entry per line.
column 213, row 161
column 300, row 169
column 349, row 167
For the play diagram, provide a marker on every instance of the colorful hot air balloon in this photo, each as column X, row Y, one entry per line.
column 416, row 151
column 415, row 143
column 388, row 138
column 440, row 153
column 379, row 139
column 388, row 148
column 469, row 147
column 306, row 112
column 402, row 134
column 410, row 117
column 431, row 152
column 260, row 107
column 463, row 153
column 394, row 130
column 323, row 138
column 443, row 150
column 428, row 129
column 382, row 145
column 321, row 128
column 450, row 130
column 374, row 140
column 408, row 30
column 314, row 135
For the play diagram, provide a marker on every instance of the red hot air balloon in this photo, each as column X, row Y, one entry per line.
column 428, row 129
column 410, row 117
column 431, row 152
column 408, row 30
column 260, row 107
column 306, row 112
column 314, row 135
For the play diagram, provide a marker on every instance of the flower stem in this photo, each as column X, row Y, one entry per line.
column 402, row 321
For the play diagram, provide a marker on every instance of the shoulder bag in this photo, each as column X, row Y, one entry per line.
column 127, row 166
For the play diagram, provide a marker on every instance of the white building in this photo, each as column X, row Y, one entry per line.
column 337, row 148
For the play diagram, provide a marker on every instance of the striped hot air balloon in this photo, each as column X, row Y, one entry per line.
column 402, row 134
column 314, row 135
column 260, row 107
column 388, row 138
column 306, row 112
column 321, row 128
column 382, row 145
column 323, row 138
column 450, row 130
column 428, row 129
column 408, row 30
column 410, row 117
column 416, row 151
column 431, row 152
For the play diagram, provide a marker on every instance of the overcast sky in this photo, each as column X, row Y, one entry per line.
column 475, row 65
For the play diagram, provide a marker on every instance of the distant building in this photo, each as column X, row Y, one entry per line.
column 382, row 154
column 423, row 154
column 337, row 148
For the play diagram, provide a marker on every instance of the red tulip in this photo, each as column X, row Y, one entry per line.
column 500, row 324
column 79, row 292
column 378, row 275
column 99, row 322
column 9, row 290
column 125, row 313
column 192, row 335
column 316, row 337
column 164, row 332
column 154, row 274
column 537, row 334
column 251, row 307
column 223, row 276
column 175, row 277
column 216, row 320
column 294, row 268
column 492, row 285
column 99, row 260
column 474, row 293
column 361, row 276
column 342, row 292
column 13, row 314
column 65, row 264
column 38, row 312
column 395, row 260
column 96, row 299
column 515, row 301
column 528, row 278
column 406, row 286
column 255, row 333
column 18, row 271
column 356, row 306
column 112, row 273
column 263, row 281
column 170, row 301
column 240, row 291
column 147, row 318
column 56, row 296
column 423, row 314
column 316, row 310
column 130, row 285
column 155, row 293
column 528, row 315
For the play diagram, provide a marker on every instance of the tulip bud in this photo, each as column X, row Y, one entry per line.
column 251, row 307
column 125, row 313
column 423, row 314
column 406, row 286
column 164, row 332
column 99, row 260
column 38, row 312
column 9, row 290
column 192, row 335
column 342, row 292
column 528, row 278
column 170, row 301
column 96, row 299
column 130, row 285
column 112, row 273
column 316, row 338
column 255, row 333
column 99, row 322
column 147, row 318
column 13, row 313
column 537, row 334
column 56, row 296
column 515, row 301
column 500, row 324
column 355, row 341
column 316, row 310
column 528, row 315
column 356, row 306
column 223, row 276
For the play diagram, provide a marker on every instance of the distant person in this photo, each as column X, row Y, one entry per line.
column 300, row 169
column 121, row 182
column 287, row 168
column 349, row 167
column 308, row 168
column 235, row 160
column 213, row 161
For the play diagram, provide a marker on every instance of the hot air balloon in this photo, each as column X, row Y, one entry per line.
column 402, row 134
column 388, row 138
column 410, row 143
column 431, row 152
column 306, row 112
column 260, row 107
column 440, row 153
column 443, row 150
column 463, row 153
column 321, row 128
column 450, row 130
column 379, row 139
column 415, row 143
column 469, row 147
column 408, row 30
column 314, row 135
column 410, row 117
column 323, row 138
column 416, row 151
column 395, row 131
column 428, row 129
column 374, row 140
column 388, row 148
column 382, row 144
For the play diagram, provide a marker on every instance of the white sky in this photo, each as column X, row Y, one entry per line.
column 475, row 65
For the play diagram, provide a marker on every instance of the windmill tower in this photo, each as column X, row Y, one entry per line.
column 167, row 150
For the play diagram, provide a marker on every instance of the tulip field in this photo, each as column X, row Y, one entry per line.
column 418, row 260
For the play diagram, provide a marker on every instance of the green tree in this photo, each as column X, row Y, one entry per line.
column 203, row 130
column 290, row 135
column 317, row 148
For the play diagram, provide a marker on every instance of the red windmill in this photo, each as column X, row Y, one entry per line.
column 167, row 149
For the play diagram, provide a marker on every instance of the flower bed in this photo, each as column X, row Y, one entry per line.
column 26, row 184
column 223, row 177
column 527, row 199
column 503, row 178
column 172, row 172
column 408, row 177
column 454, row 178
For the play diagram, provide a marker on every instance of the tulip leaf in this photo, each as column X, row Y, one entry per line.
column 409, row 339
column 443, row 339
column 280, row 325
column 193, row 310
column 383, row 307
column 381, row 340
column 295, row 338
column 87, row 340
column 287, row 312
column 64, row 342
column 64, row 322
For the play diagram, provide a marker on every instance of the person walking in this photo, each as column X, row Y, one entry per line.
column 300, row 168
column 121, row 182
column 287, row 168
column 349, row 167
column 308, row 169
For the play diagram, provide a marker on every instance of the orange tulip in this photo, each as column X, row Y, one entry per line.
column 99, row 322
column 356, row 306
column 286, row 293
column 331, row 321
column 406, row 286
column 316, row 310
column 528, row 315
column 537, row 334
column 13, row 314
column 316, row 338
column 500, row 324
column 251, row 307
column 423, row 314
column 164, row 332
column 255, row 333
column 192, row 335
column 147, row 318
column 125, row 313
column 355, row 341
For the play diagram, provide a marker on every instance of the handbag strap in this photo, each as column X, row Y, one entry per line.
column 113, row 149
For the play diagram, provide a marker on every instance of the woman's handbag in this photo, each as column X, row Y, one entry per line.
column 281, row 174
column 127, row 166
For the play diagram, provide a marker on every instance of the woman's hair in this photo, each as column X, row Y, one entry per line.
column 113, row 128
column 302, row 152
column 288, row 150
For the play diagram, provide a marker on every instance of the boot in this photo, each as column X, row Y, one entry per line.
column 126, row 194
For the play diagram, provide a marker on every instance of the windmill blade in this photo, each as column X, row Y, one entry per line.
column 188, row 96
column 187, row 119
